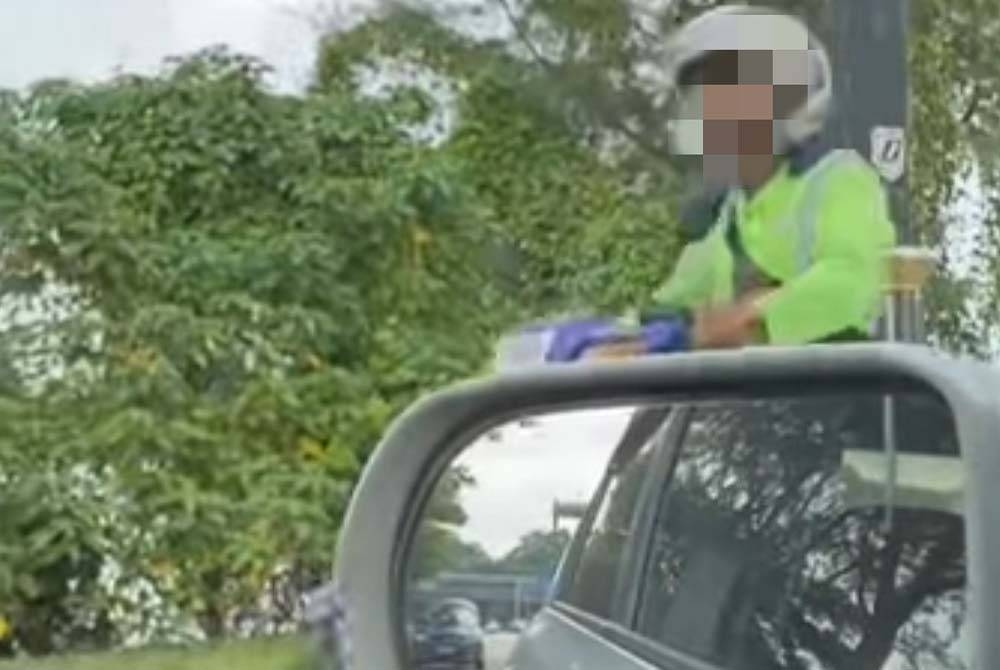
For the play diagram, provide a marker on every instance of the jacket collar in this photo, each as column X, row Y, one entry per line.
column 700, row 213
column 804, row 156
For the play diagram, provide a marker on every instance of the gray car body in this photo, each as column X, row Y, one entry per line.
column 388, row 502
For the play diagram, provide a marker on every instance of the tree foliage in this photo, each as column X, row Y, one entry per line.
column 537, row 553
column 256, row 283
column 563, row 221
column 438, row 545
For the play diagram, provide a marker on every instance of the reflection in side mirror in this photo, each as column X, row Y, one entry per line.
column 739, row 533
column 921, row 482
column 494, row 532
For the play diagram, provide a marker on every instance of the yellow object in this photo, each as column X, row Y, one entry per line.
column 314, row 362
column 311, row 449
column 615, row 351
column 421, row 239
column 5, row 628
column 909, row 269
column 420, row 236
column 144, row 360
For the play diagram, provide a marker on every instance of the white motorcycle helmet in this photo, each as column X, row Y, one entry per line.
column 799, row 59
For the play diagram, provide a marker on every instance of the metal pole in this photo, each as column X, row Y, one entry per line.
column 871, row 92
column 566, row 510
column 871, row 89
column 517, row 599
column 889, row 423
column 868, row 46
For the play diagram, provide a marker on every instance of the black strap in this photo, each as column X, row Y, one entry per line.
column 846, row 335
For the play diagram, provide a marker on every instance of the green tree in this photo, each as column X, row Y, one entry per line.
column 537, row 553
column 255, row 284
column 563, row 222
column 438, row 546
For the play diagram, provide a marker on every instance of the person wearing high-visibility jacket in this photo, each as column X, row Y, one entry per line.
column 787, row 245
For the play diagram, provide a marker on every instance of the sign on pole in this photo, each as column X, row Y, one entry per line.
column 888, row 151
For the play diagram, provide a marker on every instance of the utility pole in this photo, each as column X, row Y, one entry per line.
column 871, row 93
column 566, row 510
column 871, row 90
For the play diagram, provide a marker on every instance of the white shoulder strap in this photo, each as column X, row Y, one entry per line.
column 807, row 215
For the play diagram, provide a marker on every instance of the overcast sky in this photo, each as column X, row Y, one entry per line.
column 518, row 478
column 87, row 39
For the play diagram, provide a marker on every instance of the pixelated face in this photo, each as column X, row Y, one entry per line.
column 729, row 106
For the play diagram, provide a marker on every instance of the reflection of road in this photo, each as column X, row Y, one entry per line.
column 498, row 647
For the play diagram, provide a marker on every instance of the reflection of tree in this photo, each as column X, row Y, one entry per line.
column 444, row 505
column 537, row 553
column 437, row 546
column 799, row 574
column 440, row 549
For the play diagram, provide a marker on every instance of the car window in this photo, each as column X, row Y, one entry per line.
column 466, row 618
column 445, row 617
column 594, row 585
column 769, row 553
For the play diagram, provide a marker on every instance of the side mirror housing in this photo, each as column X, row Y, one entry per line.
column 368, row 619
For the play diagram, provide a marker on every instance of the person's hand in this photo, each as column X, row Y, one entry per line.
column 662, row 336
column 735, row 325
column 571, row 339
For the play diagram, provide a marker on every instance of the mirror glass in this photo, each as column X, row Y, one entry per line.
column 808, row 532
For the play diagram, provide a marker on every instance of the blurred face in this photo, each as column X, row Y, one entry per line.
column 730, row 104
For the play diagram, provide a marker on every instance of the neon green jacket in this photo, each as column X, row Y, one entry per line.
column 821, row 235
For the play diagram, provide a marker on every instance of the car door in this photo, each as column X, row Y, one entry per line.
column 767, row 549
column 595, row 586
column 772, row 549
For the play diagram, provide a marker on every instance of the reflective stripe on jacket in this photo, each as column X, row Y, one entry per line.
column 821, row 236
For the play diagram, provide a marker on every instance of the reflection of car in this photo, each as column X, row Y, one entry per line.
column 448, row 637
column 492, row 627
column 515, row 625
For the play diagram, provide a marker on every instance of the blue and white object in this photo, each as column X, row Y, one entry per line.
column 524, row 348
column 567, row 341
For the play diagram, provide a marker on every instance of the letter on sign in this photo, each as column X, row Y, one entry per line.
column 889, row 151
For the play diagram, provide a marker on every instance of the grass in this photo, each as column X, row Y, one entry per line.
column 280, row 653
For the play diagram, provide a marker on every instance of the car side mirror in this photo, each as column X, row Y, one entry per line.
column 709, row 507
